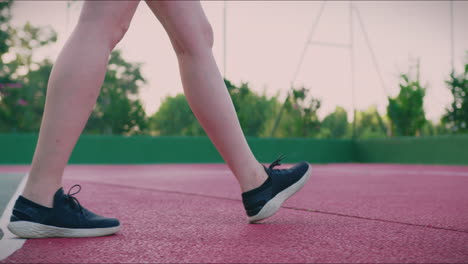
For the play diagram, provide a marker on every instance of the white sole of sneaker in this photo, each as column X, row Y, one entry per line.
column 25, row 229
column 272, row 206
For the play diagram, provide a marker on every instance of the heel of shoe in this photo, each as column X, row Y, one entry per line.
column 25, row 229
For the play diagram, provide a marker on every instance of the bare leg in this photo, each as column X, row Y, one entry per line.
column 72, row 91
column 192, row 38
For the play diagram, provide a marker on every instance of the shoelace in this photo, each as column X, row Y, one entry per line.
column 276, row 162
column 72, row 199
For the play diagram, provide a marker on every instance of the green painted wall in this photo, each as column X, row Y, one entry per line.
column 94, row 149
column 450, row 149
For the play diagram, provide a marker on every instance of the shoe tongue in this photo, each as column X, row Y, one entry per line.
column 58, row 197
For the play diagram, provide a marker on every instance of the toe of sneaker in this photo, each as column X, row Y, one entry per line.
column 301, row 167
column 114, row 222
column 111, row 222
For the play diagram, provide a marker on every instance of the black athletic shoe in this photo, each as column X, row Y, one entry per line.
column 67, row 218
column 264, row 201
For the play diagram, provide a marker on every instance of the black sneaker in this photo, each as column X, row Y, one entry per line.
column 67, row 218
column 264, row 201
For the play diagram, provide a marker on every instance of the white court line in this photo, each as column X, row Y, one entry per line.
column 398, row 172
column 10, row 243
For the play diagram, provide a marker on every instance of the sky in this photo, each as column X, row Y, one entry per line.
column 265, row 40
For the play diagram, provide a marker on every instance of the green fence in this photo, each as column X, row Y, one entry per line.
column 450, row 149
column 94, row 149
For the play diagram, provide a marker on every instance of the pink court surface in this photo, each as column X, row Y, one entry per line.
column 193, row 213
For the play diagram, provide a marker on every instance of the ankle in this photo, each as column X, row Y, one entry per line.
column 255, row 179
column 40, row 194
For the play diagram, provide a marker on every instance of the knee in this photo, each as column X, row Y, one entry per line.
column 197, row 42
column 208, row 35
column 117, row 32
column 109, row 30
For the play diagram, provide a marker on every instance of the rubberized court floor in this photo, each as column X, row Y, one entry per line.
column 193, row 213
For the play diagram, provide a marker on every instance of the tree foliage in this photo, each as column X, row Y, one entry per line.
column 23, row 80
column 299, row 117
column 174, row 117
column 254, row 111
column 5, row 28
column 456, row 116
column 370, row 124
column 118, row 109
column 406, row 110
column 335, row 124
